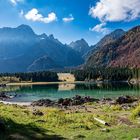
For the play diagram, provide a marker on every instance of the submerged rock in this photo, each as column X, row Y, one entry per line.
column 4, row 95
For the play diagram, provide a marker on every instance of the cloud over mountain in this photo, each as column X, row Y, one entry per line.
column 100, row 28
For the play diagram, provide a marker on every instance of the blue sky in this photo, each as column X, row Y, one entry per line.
column 70, row 20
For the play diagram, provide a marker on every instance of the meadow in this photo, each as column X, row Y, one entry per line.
column 76, row 123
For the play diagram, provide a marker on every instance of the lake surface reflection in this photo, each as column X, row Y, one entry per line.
column 56, row 91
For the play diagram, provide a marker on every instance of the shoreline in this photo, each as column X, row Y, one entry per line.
column 42, row 83
column 16, row 103
column 76, row 100
column 63, row 82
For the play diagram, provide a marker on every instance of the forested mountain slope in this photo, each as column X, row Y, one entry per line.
column 123, row 52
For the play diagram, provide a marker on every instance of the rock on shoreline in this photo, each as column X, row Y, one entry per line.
column 79, row 100
column 4, row 96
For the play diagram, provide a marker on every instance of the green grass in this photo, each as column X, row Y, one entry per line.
column 136, row 112
column 58, row 124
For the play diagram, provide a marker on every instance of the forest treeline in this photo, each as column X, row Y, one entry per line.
column 43, row 76
column 88, row 74
column 111, row 74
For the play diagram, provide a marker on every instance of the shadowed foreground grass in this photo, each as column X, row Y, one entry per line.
column 26, row 132
column 56, row 124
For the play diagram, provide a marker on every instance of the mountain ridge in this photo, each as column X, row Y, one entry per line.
column 116, row 34
column 20, row 47
column 22, row 50
column 80, row 46
column 123, row 52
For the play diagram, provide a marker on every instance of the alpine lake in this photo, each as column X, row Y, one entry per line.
column 29, row 93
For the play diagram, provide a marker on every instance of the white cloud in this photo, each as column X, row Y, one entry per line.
column 100, row 28
column 116, row 10
column 68, row 19
column 14, row 2
column 34, row 15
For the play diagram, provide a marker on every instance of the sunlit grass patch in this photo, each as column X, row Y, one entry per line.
column 57, row 123
column 136, row 112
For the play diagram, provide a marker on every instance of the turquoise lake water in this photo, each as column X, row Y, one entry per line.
column 56, row 91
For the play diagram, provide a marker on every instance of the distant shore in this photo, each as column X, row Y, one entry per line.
column 63, row 82
column 42, row 83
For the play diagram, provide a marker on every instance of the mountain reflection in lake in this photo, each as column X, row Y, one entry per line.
column 56, row 91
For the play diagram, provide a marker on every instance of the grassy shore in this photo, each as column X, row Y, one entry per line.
column 75, row 123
